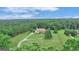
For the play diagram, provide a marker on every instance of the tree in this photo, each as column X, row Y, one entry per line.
column 71, row 45
column 70, row 32
column 55, row 31
column 48, row 34
column 4, row 42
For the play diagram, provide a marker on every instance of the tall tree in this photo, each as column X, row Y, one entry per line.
column 48, row 34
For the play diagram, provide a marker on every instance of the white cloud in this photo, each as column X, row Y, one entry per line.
column 33, row 9
column 29, row 16
column 71, row 16
column 67, row 17
column 75, row 17
column 16, row 9
column 30, row 12
column 47, row 8
column 25, row 12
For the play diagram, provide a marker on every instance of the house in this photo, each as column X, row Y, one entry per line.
column 40, row 30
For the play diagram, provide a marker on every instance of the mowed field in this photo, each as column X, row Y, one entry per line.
column 15, row 40
column 57, row 40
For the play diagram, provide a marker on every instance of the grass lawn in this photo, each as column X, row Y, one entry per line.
column 15, row 40
column 57, row 40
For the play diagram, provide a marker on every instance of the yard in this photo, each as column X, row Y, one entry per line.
column 57, row 40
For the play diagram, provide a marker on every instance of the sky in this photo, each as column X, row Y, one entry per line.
column 38, row 12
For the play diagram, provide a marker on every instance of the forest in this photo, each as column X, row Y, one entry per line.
column 60, row 35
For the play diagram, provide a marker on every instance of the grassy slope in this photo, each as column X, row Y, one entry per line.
column 16, row 39
column 57, row 41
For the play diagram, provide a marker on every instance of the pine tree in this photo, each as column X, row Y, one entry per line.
column 48, row 34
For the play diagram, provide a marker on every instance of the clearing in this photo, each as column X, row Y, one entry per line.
column 57, row 40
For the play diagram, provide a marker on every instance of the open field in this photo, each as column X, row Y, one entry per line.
column 15, row 40
column 57, row 40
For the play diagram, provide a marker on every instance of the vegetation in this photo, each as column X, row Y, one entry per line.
column 4, row 42
column 71, row 45
column 55, row 31
column 48, row 34
column 70, row 32
column 57, row 36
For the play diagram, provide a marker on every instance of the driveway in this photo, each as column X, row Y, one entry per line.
column 25, row 39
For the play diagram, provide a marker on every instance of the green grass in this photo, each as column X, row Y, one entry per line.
column 57, row 40
column 15, row 40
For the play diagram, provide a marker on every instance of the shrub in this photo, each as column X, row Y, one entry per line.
column 70, row 32
column 71, row 45
column 55, row 31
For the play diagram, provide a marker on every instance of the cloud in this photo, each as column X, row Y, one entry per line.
column 17, row 9
column 67, row 17
column 71, row 16
column 16, row 17
column 30, row 12
column 25, row 12
column 75, row 17
column 47, row 8
column 32, row 9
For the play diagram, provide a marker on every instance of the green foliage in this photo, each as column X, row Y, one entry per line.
column 71, row 45
column 32, row 47
column 50, row 49
column 55, row 31
column 70, row 32
column 48, row 34
column 15, row 27
column 4, row 42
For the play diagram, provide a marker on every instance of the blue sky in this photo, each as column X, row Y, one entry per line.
column 38, row 12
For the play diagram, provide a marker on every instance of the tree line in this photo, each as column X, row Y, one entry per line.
column 15, row 27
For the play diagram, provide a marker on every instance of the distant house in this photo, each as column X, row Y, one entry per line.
column 40, row 30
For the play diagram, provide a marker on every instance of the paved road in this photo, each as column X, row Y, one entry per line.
column 26, row 38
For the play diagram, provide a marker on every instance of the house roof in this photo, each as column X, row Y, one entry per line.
column 40, row 29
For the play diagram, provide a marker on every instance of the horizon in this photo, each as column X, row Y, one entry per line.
column 45, row 19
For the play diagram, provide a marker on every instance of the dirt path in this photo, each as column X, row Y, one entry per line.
column 26, row 38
